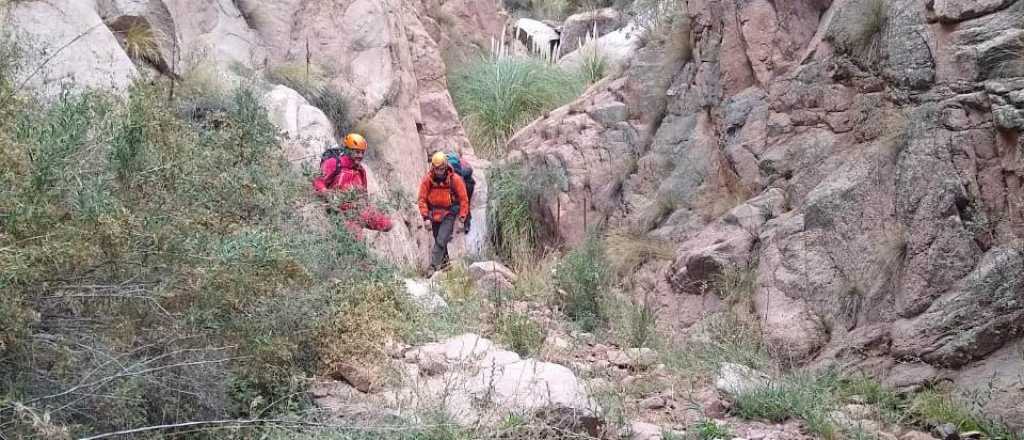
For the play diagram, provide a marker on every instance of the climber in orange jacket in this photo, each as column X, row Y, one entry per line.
column 442, row 200
column 341, row 171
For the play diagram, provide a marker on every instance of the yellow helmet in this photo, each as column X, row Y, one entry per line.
column 354, row 141
column 438, row 159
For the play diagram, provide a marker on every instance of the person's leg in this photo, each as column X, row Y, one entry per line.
column 435, row 227
column 442, row 235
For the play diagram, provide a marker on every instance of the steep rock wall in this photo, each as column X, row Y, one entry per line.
column 887, row 151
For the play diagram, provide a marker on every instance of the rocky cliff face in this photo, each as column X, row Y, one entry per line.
column 878, row 144
column 386, row 57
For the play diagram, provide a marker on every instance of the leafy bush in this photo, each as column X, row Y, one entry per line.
column 515, row 192
column 155, row 270
column 583, row 279
column 499, row 95
column 709, row 430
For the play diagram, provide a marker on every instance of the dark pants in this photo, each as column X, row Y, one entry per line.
column 442, row 235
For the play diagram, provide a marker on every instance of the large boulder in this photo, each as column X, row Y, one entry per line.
column 982, row 313
column 307, row 131
column 66, row 44
column 537, row 36
column 615, row 48
column 734, row 380
column 952, row 11
column 480, row 376
column 726, row 243
column 591, row 24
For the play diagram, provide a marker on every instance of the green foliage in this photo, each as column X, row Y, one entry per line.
column 499, row 95
column 154, row 269
column 519, row 332
column 735, row 285
column 722, row 337
column 515, row 192
column 934, row 406
column 584, row 279
column 642, row 323
column 890, row 406
column 709, row 430
column 799, row 395
column 594, row 66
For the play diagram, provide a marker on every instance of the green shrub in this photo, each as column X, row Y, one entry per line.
column 500, row 95
column 721, row 337
column 584, row 279
column 799, row 395
column 519, row 332
column 709, row 430
column 515, row 193
column 155, row 270
column 934, row 407
column 736, row 285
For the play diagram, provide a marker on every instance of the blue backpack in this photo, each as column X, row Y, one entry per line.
column 465, row 172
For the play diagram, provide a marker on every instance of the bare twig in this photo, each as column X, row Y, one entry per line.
column 109, row 379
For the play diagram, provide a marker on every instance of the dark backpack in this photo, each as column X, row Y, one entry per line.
column 336, row 154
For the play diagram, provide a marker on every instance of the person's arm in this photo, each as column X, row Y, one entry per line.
column 424, row 190
column 326, row 169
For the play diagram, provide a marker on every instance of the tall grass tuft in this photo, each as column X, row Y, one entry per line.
column 498, row 95
column 628, row 250
column 583, row 281
column 515, row 192
column 935, row 406
column 802, row 395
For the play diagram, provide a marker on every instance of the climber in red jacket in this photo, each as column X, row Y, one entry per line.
column 341, row 171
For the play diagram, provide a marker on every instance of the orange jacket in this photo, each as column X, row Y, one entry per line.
column 436, row 199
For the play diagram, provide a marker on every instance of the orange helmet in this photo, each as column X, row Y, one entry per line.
column 354, row 141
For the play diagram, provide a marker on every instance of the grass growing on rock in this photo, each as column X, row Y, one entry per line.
column 498, row 95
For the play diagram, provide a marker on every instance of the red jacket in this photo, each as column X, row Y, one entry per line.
column 437, row 200
column 351, row 177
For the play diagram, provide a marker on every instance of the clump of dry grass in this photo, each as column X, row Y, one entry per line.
column 736, row 284
column 359, row 329
column 140, row 40
column 628, row 249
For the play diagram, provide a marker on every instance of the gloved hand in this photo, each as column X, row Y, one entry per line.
column 427, row 223
column 465, row 227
